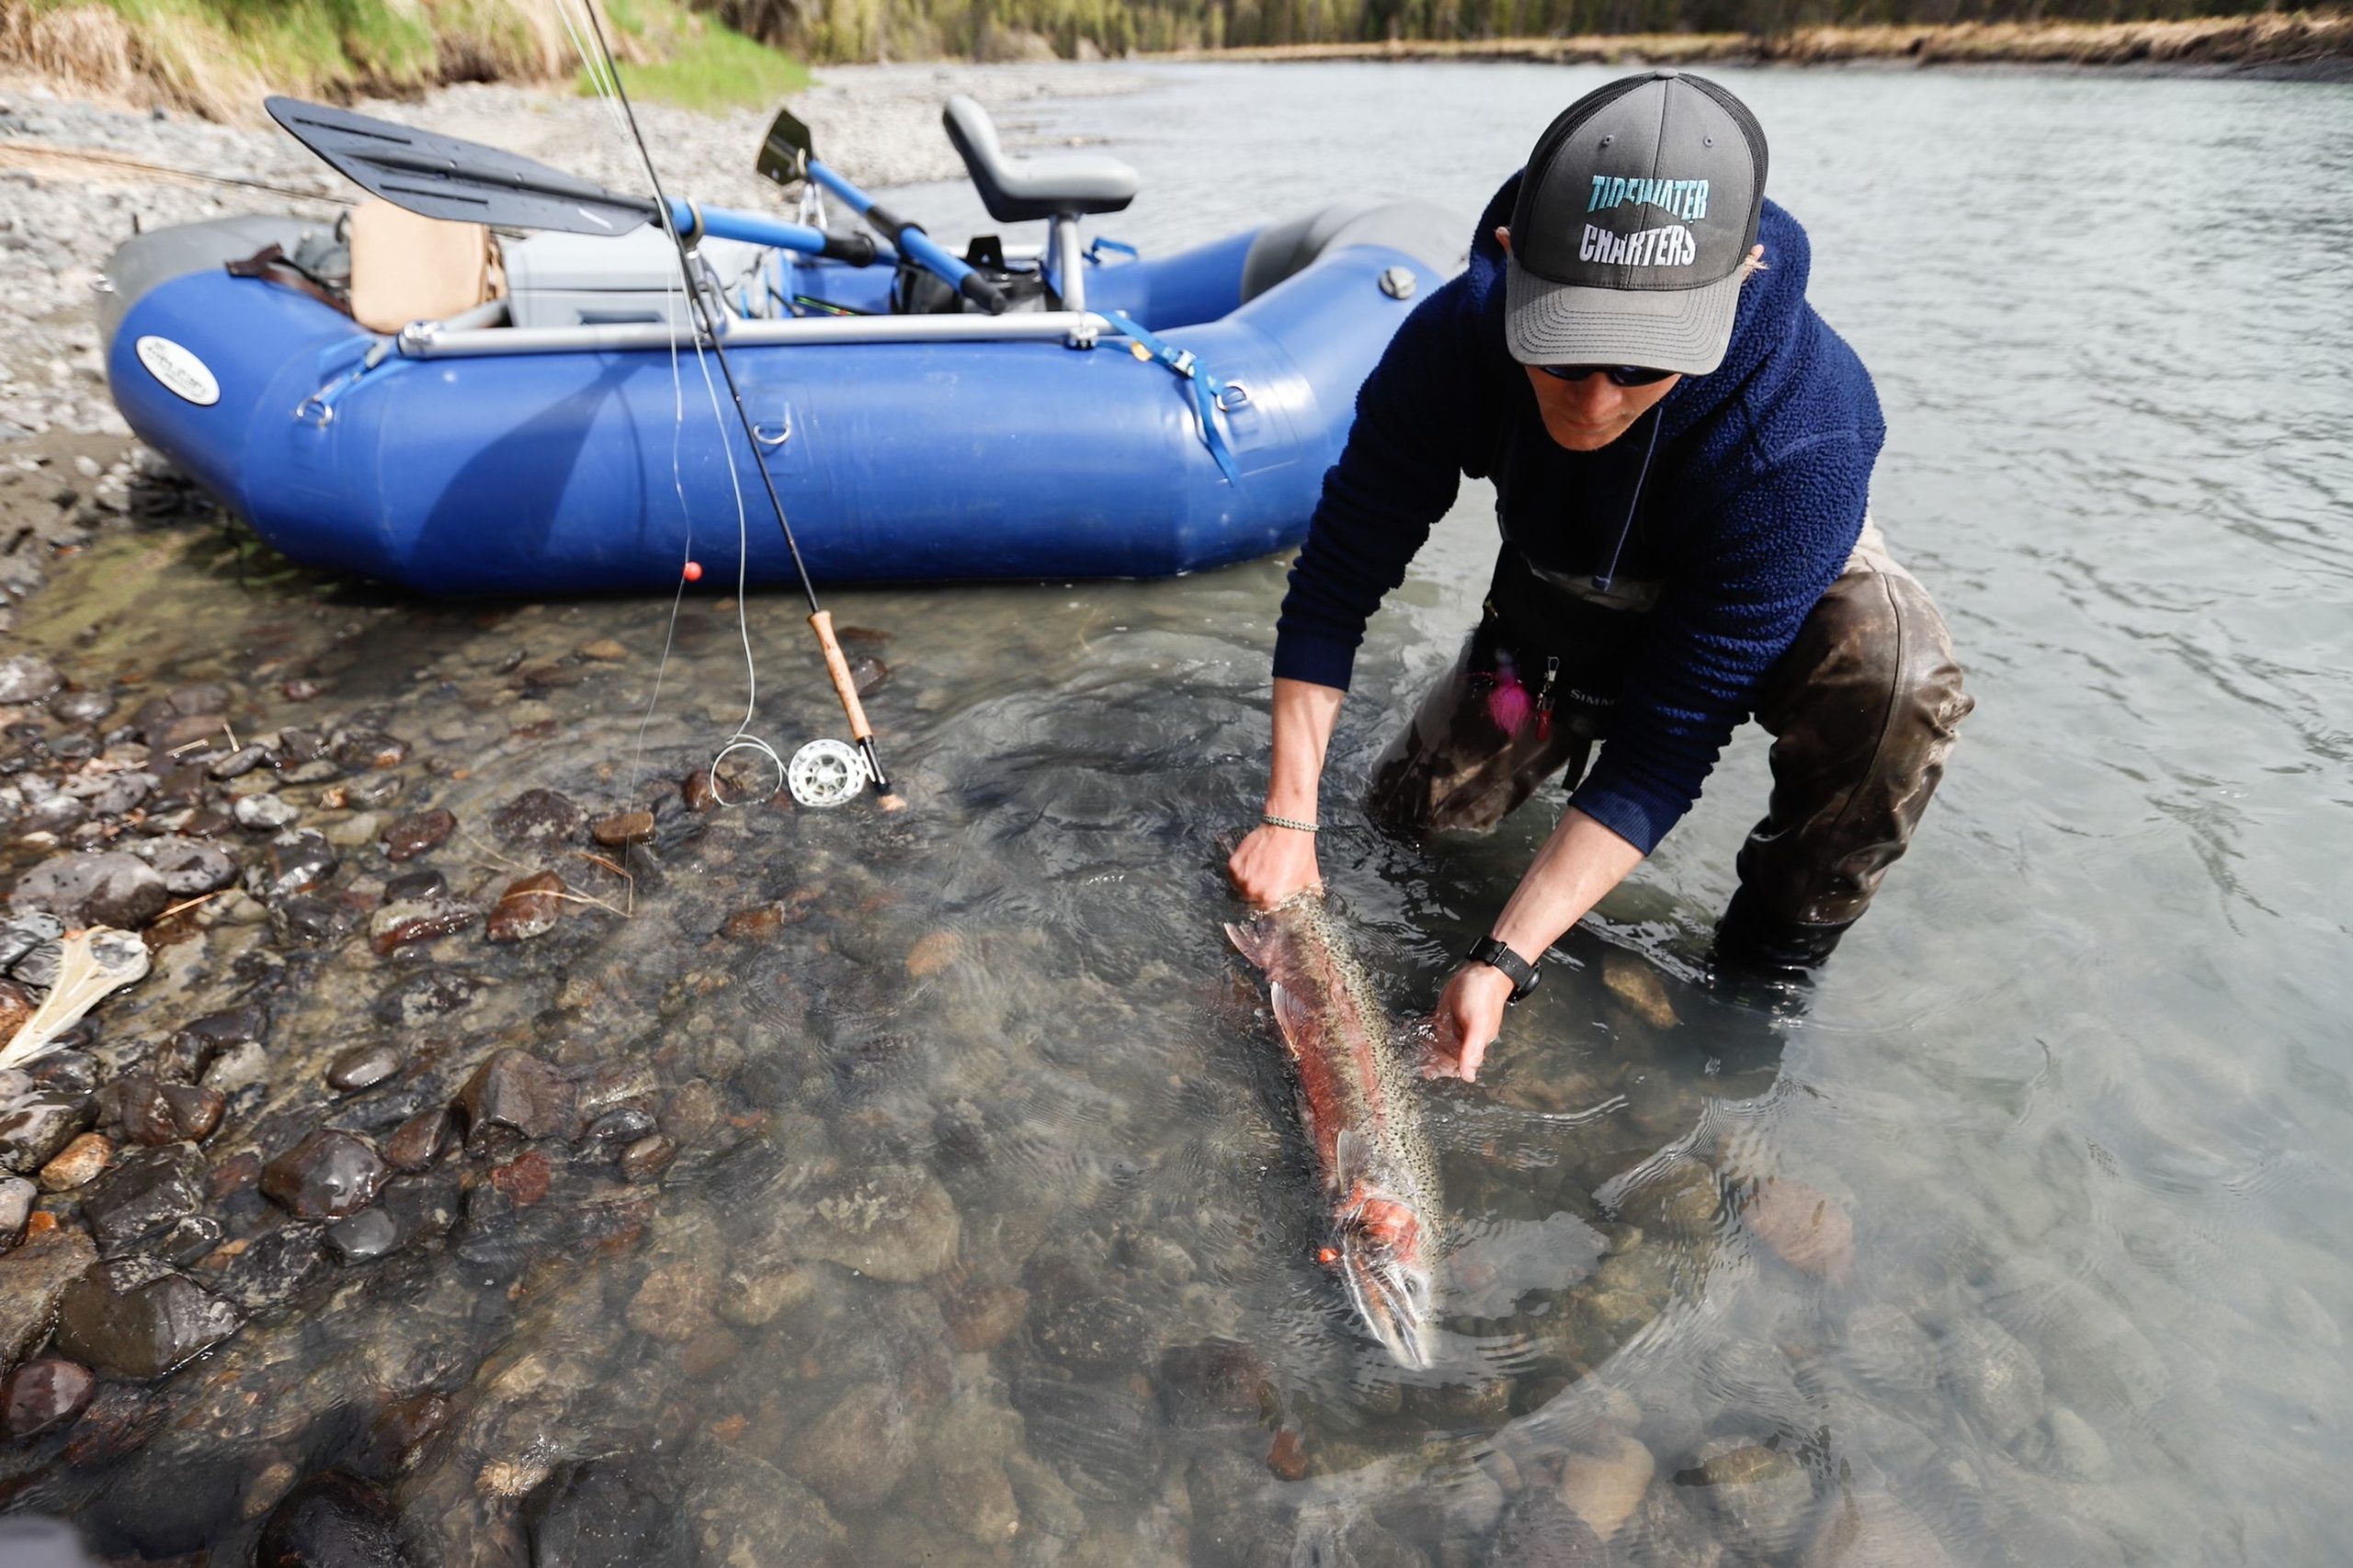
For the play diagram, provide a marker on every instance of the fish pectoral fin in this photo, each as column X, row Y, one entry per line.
column 1251, row 942
column 1292, row 1016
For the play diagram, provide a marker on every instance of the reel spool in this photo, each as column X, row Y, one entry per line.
column 826, row 773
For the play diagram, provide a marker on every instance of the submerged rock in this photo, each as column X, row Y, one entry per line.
column 1872, row 1530
column 43, row 1395
column 332, row 1520
column 539, row 818
column 1997, row 1383
column 33, row 1281
column 529, row 907
column 363, row 1067
column 327, row 1176
column 187, row 866
column 1103, row 1442
column 37, row 1126
column 625, row 827
column 517, row 1091
column 17, row 1196
column 856, row 1454
column 412, row 835
column 1758, row 1494
column 1216, row 1382
column 417, row 920
column 27, row 678
column 1604, row 1483
column 1807, row 1226
column 144, row 1196
column 144, row 1331
column 890, row 1222
column 114, row 888
column 1539, row 1530
column 982, row 1316
column 743, row 1510
column 275, row 1267
column 78, row 1163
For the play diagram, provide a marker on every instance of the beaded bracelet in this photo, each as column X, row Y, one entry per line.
column 1273, row 821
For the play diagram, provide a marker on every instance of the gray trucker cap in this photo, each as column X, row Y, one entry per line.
column 1639, row 204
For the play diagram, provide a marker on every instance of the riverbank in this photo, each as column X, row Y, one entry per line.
column 2295, row 43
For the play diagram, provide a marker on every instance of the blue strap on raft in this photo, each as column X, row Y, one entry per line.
column 1209, row 392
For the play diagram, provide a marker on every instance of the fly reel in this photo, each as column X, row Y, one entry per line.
column 826, row 773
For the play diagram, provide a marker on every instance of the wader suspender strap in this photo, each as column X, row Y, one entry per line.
column 1209, row 392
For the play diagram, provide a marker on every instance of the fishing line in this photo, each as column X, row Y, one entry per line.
column 870, row 761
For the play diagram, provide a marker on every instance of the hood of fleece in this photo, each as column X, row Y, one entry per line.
column 1768, row 328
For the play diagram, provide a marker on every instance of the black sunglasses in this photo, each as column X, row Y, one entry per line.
column 1620, row 375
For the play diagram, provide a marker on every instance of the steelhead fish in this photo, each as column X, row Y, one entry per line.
column 1358, row 1092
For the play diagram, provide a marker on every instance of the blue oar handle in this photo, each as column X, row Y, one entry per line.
column 857, row 250
column 914, row 241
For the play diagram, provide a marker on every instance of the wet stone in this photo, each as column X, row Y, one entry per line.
column 412, row 835
column 114, row 889
column 33, row 1280
column 307, row 920
column 360, row 751
column 135, row 1103
column 529, row 907
column 78, row 1163
column 363, row 1067
column 1216, row 1382
column 856, row 1454
column 236, row 764
column 144, row 1331
column 16, row 1197
column 619, row 1127
column 41, row 1397
column 1541, row 1531
column 194, row 1045
column 517, row 1091
column 626, row 828
column 1092, row 1336
column 539, row 818
column 327, row 1176
column 418, row 920
column 697, row 792
column 369, row 1234
column 188, row 867
column 65, row 1071
column 80, row 706
column 275, row 1267
column 743, row 1510
column 332, row 1520
column 414, row 885
column 264, row 811
column 420, row 1139
column 1994, row 1381
column 1099, row 1440
column 144, row 1196
column 298, row 861
column 38, row 1127
column 26, row 677
column 371, row 791
column 1758, row 1493
column 414, row 1002
column 647, row 1157
column 191, row 1239
column 982, row 1317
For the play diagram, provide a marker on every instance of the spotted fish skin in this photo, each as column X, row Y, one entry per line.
column 1358, row 1096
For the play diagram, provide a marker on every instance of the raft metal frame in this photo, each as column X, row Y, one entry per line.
column 450, row 340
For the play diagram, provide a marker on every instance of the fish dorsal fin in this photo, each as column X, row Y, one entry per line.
column 1351, row 1155
column 1292, row 1015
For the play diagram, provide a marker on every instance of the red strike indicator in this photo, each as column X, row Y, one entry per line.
column 694, row 572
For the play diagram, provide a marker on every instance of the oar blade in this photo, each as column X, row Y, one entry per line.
column 443, row 177
column 786, row 152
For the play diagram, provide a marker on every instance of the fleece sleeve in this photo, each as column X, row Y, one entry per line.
column 1413, row 438
column 1727, row 617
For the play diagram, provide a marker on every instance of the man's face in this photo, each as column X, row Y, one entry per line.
column 1585, row 415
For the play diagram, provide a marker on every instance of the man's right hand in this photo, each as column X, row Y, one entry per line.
column 1273, row 863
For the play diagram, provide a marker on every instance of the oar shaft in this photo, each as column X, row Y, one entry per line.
column 912, row 240
column 726, row 223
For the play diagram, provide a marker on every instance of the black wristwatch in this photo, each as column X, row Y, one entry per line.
column 1518, row 971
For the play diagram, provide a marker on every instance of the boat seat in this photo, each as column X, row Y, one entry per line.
column 1017, row 190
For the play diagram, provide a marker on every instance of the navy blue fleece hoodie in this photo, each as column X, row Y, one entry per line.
column 1749, row 511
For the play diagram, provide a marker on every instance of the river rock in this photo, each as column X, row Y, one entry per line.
column 33, row 1280
column 676, row 1299
column 332, row 1520
column 518, row 1092
column 1997, row 1383
column 1541, row 1531
column 369, row 1234
column 41, row 1397
column 26, row 677
column 1872, row 1530
column 192, row 1047
column 539, row 818
column 890, row 1222
column 327, row 1176
column 421, row 1139
column 745, row 1513
column 187, row 865
column 983, row 1315
column 1890, row 1354
column 529, row 907
column 624, row 827
column 1760, row 1494
column 71, row 706
column 142, row 1332
column 1217, row 1382
column 16, row 1197
column 236, row 764
column 265, row 811
column 414, row 1003
column 417, row 920
column 1091, row 1337
column 144, row 1196
column 856, row 1454
column 363, row 1066
column 78, row 1163
column 1806, row 1225
column 620, row 1512
column 275, row 1267
column 361, row 751
column 114, row 888
column 37, row 1126
column 412, row 835
column 1603, row 1483
column 299, row 860
column 1102, row 1442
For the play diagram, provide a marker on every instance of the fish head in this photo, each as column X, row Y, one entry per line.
column 1381, row 1249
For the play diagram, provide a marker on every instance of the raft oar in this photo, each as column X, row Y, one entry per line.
column 440, row 176
column 444, row 176
column 788, row 155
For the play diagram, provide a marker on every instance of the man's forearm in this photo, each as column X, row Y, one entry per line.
column 1304, row 713
column 1579, row 863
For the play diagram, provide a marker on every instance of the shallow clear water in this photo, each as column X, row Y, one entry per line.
column 2079, row 1084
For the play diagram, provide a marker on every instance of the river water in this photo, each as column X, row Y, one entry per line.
column 2023, row 1239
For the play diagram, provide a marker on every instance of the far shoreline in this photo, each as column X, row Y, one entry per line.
column 2296, row 45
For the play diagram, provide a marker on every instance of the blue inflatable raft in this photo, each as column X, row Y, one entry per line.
column 1131, row 416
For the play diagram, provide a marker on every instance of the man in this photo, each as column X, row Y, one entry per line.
column 1682, row 453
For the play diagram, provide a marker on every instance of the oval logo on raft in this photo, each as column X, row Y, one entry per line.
column 182, row 373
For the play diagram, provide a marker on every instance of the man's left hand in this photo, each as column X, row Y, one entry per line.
column 1469, row 1016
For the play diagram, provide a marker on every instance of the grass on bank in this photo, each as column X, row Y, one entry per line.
column 220, row 57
